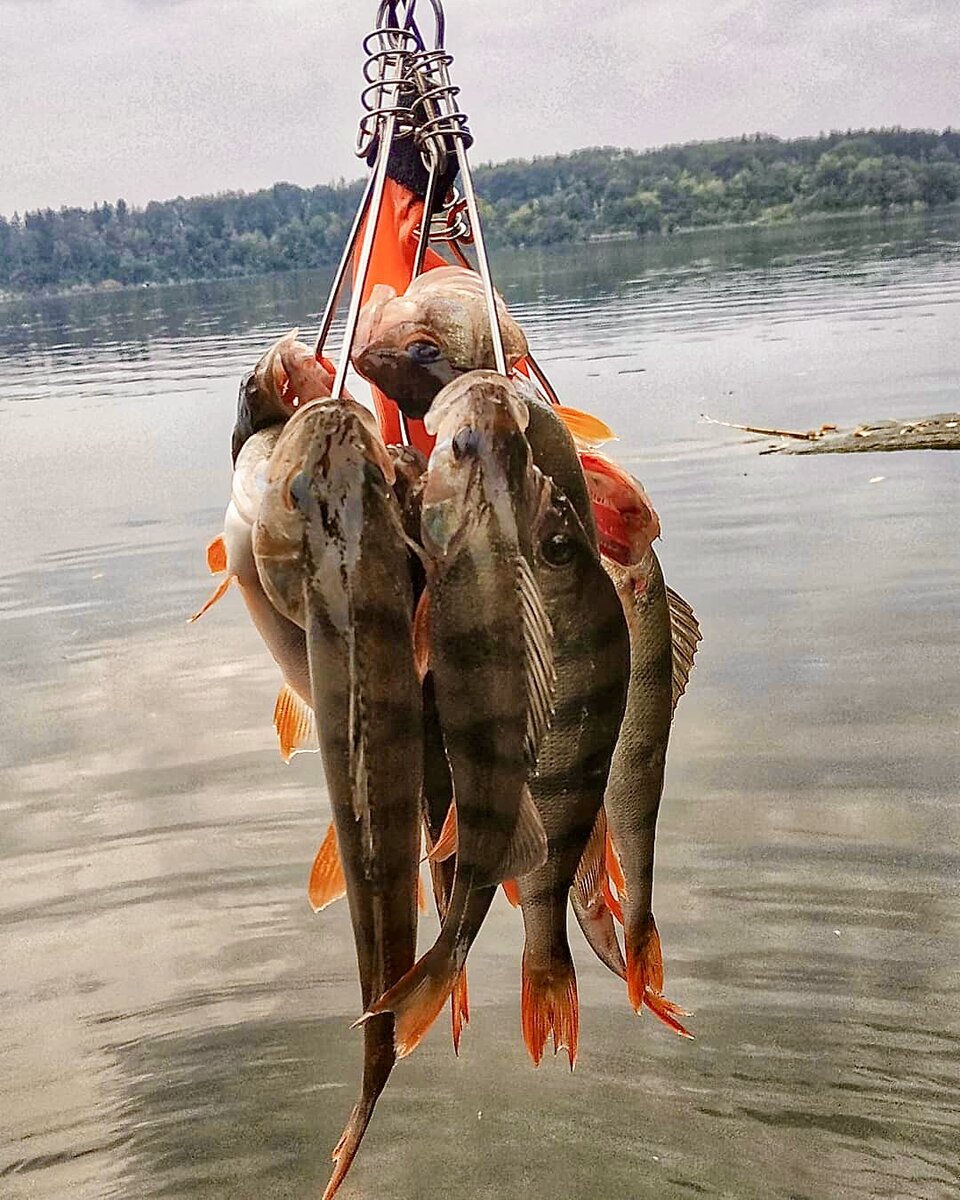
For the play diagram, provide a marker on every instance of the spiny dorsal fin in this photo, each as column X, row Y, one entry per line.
column 295, row 725
column 686, row 636
column 538, row 653
column 589, row 877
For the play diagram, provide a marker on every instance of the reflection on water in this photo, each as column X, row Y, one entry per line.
column 175, row 1020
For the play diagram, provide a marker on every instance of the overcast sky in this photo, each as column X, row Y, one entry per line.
column 148, row 99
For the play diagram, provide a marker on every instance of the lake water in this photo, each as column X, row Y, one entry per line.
column 174, row 1021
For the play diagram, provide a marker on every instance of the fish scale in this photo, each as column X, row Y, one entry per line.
column 332, row 554
column 591, row 662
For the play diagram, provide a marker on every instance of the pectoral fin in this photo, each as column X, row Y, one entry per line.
column 585, row 427
column 217, row 555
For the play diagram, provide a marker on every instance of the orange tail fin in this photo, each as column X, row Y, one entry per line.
column 584, row 426
column 645, row 976
column 417, row 999
column 548, row 1005
column 459, row 1009
column 327, row 882
column 511, row 891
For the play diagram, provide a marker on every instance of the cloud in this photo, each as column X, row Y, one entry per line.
column 154, row 98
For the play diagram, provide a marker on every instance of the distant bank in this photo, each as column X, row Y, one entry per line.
column 596, row 194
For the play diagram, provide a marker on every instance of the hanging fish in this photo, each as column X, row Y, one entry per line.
column 412, row 345
column 332, row 554
column 491, row 657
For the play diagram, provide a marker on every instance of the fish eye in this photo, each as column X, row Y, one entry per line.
column 298, row 491
column 424, row 353
column 465, row 442
column 558, row 549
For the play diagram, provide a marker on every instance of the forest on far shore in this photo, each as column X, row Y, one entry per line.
column 589, row 194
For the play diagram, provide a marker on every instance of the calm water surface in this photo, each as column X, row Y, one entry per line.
column 174, row 1019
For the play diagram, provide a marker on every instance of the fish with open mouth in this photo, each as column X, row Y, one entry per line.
column 412, row 345
column 287, row 376
column 333, row 558
column 490, row 649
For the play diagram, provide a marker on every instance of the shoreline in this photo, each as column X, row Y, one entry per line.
column 112, row 286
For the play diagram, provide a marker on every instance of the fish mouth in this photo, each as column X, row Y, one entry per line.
column 411, row 385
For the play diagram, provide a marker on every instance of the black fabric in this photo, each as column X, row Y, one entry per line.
column 406, row 167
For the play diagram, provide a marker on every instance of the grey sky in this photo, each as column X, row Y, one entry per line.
column 153, row 98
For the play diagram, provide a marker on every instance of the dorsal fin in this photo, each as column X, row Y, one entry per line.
column 538, row 655
column 685, row 632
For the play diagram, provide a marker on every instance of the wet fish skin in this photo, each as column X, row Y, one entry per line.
column 331, row 490
column 632, row 799
column 592, row 662
column 555, row 453
column 287, row 375
column 413, row 345
column 486, row 619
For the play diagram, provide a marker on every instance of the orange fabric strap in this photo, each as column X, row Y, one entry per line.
column 394, row 250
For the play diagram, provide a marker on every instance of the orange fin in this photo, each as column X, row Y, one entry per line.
column 614, row 869
column 611, row 900
column 218, row 594
column 421, row 635
column 668, row 1012
column 587, row 881
column 294, row 723
column 421, row 896
column 645, row 976
column 327, row 882
column 512, row 891
column 217, row 555
column 548, row 1005
column 459, row 1009
column 417, row 999
column 584, row 426
column 446, row 844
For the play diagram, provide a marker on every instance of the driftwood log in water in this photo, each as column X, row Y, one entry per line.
column 941, row 432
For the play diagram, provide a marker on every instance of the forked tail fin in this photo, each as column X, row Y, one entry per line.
column 417, row 999
column 549, row 1005
column 645, row 975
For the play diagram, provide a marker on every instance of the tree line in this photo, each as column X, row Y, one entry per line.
column 598, row 192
